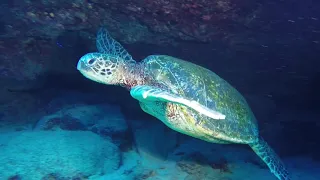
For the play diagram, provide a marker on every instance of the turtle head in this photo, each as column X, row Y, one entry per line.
column 102, row 68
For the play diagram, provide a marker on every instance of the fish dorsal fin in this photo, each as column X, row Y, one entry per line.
column 107, row 45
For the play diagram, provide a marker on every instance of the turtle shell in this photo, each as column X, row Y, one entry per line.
column 196, row 83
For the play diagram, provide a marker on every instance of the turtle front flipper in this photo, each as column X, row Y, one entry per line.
column 149, row 93
column 107, row 45
column 264, row 151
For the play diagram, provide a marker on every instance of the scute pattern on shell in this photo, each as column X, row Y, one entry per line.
column 202, row 85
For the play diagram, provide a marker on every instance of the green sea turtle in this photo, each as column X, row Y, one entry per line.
column 186, row 97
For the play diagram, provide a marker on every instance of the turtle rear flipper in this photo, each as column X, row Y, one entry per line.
column 264, row 151
column 107, row 45
column 149, row 93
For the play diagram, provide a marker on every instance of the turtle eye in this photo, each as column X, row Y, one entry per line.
column 91, row 61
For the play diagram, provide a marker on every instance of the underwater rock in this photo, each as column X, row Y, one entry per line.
column 153, row 139
column 105, row 120
column 50, row 18
column 196, row 165
column 38, row 26
column 35, row 155
column 54, row 121
column 15, row 177
column 57, row 176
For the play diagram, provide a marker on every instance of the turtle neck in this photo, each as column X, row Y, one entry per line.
column 133, row 74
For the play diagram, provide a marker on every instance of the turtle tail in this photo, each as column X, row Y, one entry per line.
column 264, row 151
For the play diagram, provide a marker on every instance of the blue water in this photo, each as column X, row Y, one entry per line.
column 59, row 122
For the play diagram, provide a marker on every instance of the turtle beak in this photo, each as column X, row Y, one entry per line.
column 79, row 65
column 82, row 66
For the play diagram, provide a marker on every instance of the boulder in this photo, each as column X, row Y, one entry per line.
column 35, row 155
column 102, row 119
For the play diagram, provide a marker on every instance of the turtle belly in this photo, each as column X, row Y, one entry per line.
column 181, row 119
column 186, row 121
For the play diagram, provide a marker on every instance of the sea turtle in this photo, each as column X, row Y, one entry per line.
column 186, row 97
